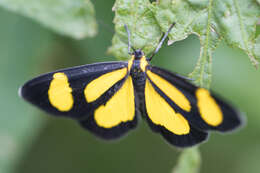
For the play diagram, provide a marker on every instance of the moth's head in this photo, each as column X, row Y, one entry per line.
column 138, row 54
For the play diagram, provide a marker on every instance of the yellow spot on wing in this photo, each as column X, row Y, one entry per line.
column 120, row 108
column 143, row 63
column 209, row 109
column 171, row 91
column 100, row 85
column 59, row 92
column 161, row 113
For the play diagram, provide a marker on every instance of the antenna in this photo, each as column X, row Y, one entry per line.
column 162, row 40
column 129, row 42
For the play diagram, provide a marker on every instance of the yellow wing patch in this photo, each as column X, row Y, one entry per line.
column 130, row 63
column 209, row 109
column 120, row 108
column 171, row 91
column 100, row 85
column 59, row 92
column 143, row 63
column 161, row 113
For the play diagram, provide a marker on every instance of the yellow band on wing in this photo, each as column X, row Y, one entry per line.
column 130, row 63
column 171, row 91
column 143, row 63
column 161, row 113
column 99, row 86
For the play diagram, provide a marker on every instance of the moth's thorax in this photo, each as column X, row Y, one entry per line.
column 136, row 66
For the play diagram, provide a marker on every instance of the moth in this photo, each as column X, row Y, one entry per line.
column 107, row 98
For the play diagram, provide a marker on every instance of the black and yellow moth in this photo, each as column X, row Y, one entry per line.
column 106, row 98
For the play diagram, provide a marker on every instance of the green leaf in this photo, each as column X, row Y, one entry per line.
column 72, row 18
column 237, row 21
column 145, row 33
column 191, row 17
column 233, row 20
column 189, row 161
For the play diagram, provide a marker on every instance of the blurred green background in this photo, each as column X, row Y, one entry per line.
column 32, row 141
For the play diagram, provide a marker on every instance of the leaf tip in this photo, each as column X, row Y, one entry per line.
column 254, row 61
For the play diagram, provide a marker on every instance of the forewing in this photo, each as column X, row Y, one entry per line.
column 115, row 117
column 75, row 92
column 202, row 109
